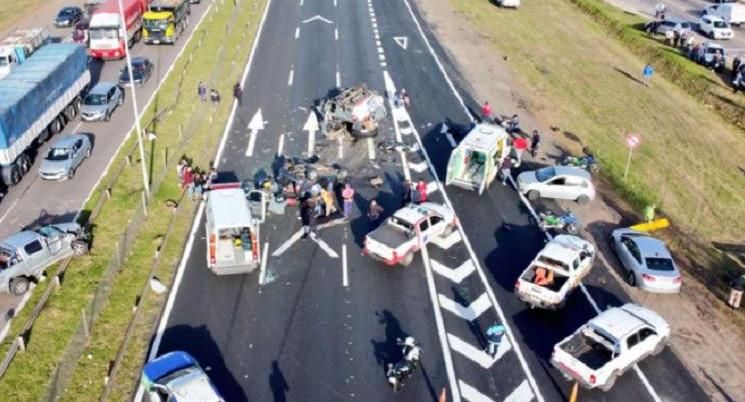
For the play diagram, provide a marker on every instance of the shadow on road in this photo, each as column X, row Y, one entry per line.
column 278, row 383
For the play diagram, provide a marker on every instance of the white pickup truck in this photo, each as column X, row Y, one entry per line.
column 603, row 349
column 555, row 272
column 411, row 227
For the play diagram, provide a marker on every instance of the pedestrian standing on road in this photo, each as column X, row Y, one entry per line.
column 238, row 92
column 347, row 196
column 328, row 199
column 405, row 97
column 215, row 97
column 189, row 182
column 737, row 286
column 494, row 336
column 202, row 91
column 200, row 180
column 485, row 112
column 506, row 169
column 514, row 124
column 312, row 219
column 647, row 74
column 519, row 145
column 406, row 192
column 305, row 212
column 373, row 213
column 421, row 189
column 535, row 141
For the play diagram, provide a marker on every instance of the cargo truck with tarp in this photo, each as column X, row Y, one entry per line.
column 37, row 99
column 18, row 47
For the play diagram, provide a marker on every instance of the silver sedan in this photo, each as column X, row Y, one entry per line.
column 646, row 261
column 64, row 157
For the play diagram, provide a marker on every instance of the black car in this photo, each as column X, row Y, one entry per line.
column 142, row 68
column 68, row 16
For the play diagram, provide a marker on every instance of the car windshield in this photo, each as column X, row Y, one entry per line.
column 176, row 374
column 660, row 264
column 58, row 154
column 5, row 257
column 712, row 50
column 548, row 261
column 3, row 61
column 95, row 99
column 545, row 174
column 721, row 24
column 401, row 222
column 156, row 24
column 104, row 33
column 49, row 231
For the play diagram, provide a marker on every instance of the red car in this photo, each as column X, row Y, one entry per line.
column 80, row 32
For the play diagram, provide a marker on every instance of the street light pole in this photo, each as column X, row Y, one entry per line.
column 133, row 96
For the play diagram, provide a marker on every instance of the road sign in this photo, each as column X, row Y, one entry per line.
column 633, row 141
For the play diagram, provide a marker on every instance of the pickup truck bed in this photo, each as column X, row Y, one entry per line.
column 559, row 279
column 389, row 236
column 584, row 349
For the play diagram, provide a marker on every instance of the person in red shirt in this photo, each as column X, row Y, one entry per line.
column 519, row 145
column 189, row 182
column 485, row 112
column 421, row 188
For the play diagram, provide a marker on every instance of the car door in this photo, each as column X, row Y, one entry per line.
column 436, row 224
column 424, row 232
column 77, row 153
column 111, row 101
column 37, row 255
column 554, row 187
column 624, row 252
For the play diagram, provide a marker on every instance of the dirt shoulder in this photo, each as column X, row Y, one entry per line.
column 707, row 336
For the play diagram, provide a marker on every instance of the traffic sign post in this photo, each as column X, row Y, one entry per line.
column 632, row 142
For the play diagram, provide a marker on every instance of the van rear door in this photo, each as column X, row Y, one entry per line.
column 487, row 177
column 455, row 166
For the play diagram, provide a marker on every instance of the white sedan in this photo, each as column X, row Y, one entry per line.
column 715, row 27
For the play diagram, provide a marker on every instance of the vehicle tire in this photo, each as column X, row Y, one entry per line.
column 56, row 126
column 533, row 195
column 19, row 285
column 583, row 200
column 611, row 381
column 660, row 347
column 11, row 175
column 43, row 137
column 71, row 174
column 138, row 35
column 107, row 117
column 24, row 164
column 593, row 168
column 631, row 278
column 407, row 260
column 311, row 173
column 120, row 102
column 77, row 103
column 572, row 228
column 70, row 112
column 79, row 247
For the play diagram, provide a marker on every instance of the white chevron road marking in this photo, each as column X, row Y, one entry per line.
column 455, row 275
column 521, row 394
column 470, row 312
column 478, row 355
column 418, row 167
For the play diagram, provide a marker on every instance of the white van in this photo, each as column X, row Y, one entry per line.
column 732, row 13
column 232, row 231
column 508, row 3
column 474, row 163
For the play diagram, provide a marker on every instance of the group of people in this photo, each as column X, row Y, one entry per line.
column 519, row 143
column 194, row 181
column 215, row 95
column 320, row 201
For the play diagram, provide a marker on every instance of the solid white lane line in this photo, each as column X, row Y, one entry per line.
column 479, row 356
column 288, row 243
column 370, row 149
column 281, row 145
column 454, row 275
column 345, row 278
column 341, row 147
column 264, row 257
column 289, row 80
column 338, row 79
column 468, row 313
column 297, row 32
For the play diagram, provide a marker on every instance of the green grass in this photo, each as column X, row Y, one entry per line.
column 579, row 78
column 52, row 332
column 11, row 11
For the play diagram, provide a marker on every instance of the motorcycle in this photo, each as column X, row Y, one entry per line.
column 566, row 221
column 403, row 369
column 588, row 161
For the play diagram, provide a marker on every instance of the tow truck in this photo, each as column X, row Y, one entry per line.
column 398, row 239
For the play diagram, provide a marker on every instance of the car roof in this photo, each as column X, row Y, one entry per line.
column 102, row 87
column 651, row 247
column 713, row 45
column 20, row 239
column 67, row 141
column 618, row 322
column 137, row 60
column 411, row 213
column 571, row 171
column 713, row 17
column 484, row 136
column 229, row 207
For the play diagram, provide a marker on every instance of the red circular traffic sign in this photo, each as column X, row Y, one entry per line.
column 633, row 141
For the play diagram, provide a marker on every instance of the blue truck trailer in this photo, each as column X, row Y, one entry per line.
column 37, row 99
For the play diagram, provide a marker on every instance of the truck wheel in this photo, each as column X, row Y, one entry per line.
column 407, row 260
column 56, row 126
column 533, row 195
column 70, row 112
column 19, row 285
column 583, row 200
column 11, row 175
column 138, row 35
column 79, row 247
column 76, row 104
column 24, row 164
column 108, row 116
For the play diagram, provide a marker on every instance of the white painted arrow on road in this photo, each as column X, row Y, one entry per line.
column 311, row 126
column 477, row 355
column 402, row 41
column 318, row 18
column 256, row 124
column 470, row 312
column 456, row 275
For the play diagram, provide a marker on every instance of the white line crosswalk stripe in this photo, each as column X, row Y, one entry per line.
column 418, row 167
column 477, row 355
column 455, row 275
column 447, row 242
column 470, row 312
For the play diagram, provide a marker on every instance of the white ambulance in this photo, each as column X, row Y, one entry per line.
column 232, row 229
column 474, row 163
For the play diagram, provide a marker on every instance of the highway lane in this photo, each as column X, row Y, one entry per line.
column 33, row 199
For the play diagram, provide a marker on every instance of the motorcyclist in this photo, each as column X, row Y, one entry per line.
column 404, row 368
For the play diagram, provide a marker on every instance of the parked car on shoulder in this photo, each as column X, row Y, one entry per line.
column 646, row 260
column 101, row 101
column 561, row 182
column 672, row 24
column 25, row 255
column 142, row 69
column 64, row 157
column 711, row 55
column 715, row 27
column 68, row 17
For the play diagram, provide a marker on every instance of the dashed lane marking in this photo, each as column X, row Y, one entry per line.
column 454, row 275
column 468, row 313
column 477, row 355
column 370, row 149
column 297, row 32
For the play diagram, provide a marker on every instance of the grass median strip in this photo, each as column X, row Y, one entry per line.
column 58, row 324
column 587, row 83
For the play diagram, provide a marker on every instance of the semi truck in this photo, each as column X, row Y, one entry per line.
column 18, row 46
column 37, row 99
column 107, row 38
column 165, row 21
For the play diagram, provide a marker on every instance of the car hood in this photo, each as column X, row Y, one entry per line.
column 527, row 178
column 93, row 109
column 49, row 166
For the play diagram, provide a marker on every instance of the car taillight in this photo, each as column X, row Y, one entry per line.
column 592, row 379
column 213, row 249
column 517, row 285
column 678, row 279
column 395, row 256
column 647, row 277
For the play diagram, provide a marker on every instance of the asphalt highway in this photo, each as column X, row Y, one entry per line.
column 34, row 200
column 324, row 322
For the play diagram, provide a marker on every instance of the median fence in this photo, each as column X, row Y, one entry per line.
column 124, row 245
